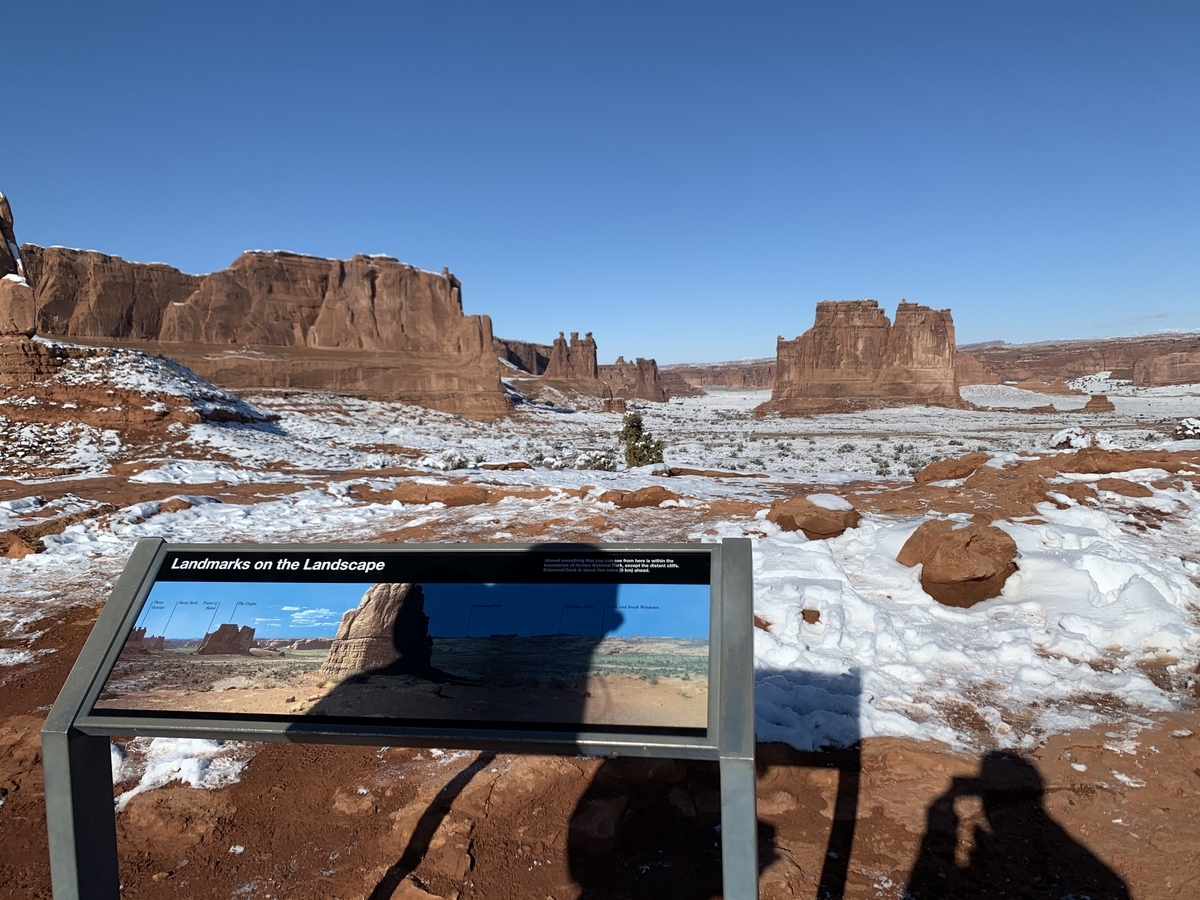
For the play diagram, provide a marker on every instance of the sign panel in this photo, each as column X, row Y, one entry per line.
column 545, row 639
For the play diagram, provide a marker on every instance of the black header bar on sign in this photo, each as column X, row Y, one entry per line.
column 566, row 566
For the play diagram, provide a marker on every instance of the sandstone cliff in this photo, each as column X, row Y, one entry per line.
column 676, row 386
column 88, row 294
column 1155, row 360
column 575, row 361
column 854, row 358
column 971, row 371
column 634, row 381
column 1168, row 368
column 17, row 302
column 751, row 375
column 371, row 326
column 532, row 358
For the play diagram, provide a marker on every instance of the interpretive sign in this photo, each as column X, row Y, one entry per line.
column 599, row 649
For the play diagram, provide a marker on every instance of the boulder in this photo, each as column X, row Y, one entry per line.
column 949, row 469
column 387, row 634
column 1099, row 403
column 228, row 639
column 854, row 358
column 960, row 565
column 1124, row 487
column 818, row 519
column 611, row 405
column 642, row 497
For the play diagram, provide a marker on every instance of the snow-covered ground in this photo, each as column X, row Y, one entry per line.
column 1099, row 624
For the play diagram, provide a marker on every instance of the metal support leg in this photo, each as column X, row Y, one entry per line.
column 739, row 830
column 79, row 816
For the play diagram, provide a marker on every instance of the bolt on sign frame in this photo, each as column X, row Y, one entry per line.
column 621, row 584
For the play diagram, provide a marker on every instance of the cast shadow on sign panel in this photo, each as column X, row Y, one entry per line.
column 648, row 828
column 1018, row 850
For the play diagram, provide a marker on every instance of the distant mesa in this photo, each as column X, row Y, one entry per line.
column 1099, row 403
column 228, row 639
column 387, row 633
column 751, row 375
column 854, row 358
column 1151, row 361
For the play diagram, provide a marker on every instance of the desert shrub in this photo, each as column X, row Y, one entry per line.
column 641, row 449
column 846, row 448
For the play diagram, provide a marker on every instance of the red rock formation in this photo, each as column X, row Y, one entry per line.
column 961, row 566
column 369, row 325
column 752, row 375
column 634, row 381
column 1168, row 368
column 1133, row 358
column 1099, row 403
column 674, row 385
column 816, row 521
column 971, row 371
column 228, row 638
column 88, row 294
column 532, row 358
column 573, row 362
column 854, row 358
column 17, row 304
column 387, row 632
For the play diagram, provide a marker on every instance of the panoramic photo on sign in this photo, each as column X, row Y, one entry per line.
column 536, row 639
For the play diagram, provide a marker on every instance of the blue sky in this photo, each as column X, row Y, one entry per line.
column 188, row 610
column 684, row 180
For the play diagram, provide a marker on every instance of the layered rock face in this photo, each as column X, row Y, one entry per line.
column 88, row 294
column 575, row 361
column 388, row 633
column 228, row 638
column 1160, row 360
column 753, row 375
column 532, row 358
column 637, row 380
column 370, row 325
column 971, row 371
column 674, row 385
column 854, row 358
column 1169, row 368
column 17, row 303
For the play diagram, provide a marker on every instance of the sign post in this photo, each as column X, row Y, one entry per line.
column 607, row 650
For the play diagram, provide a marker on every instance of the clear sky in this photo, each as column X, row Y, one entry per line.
column 684, row 180
column 188, row 610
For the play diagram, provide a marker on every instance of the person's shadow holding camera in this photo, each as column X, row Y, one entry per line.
column 1021, row 853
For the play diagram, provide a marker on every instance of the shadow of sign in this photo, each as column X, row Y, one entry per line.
column 1014, row 849
column 491, row 656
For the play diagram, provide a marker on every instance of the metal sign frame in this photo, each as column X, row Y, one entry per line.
column 75, row 739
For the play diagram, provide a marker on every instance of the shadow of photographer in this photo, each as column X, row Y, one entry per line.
column 1016, row 851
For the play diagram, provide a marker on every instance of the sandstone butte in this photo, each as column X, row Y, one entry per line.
column 369, row 326
column 854, row 358
column 572, row 365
